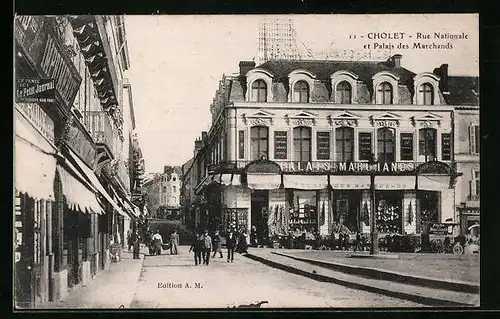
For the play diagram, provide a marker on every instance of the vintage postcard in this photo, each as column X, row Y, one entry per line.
column 246, row 161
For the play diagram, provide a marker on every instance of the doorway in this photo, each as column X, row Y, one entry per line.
column 259, row 212
column 347, row 209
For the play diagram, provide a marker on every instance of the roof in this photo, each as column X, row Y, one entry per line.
column 323, row 69
column 185, row 167
column 464, row 90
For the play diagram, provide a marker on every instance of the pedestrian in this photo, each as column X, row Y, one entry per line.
column 129, row 239
column 216, row 241
column 174, row 243
column 207, row 248
column 358, row 245
column 242, row 242
column 253, row 236
column 231, row 245
column 157, row 242
column 134, row 240
column 197, row 248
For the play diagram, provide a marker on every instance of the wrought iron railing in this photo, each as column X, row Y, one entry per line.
column 474, row 197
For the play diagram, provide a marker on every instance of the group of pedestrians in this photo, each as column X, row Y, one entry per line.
column 154, row 241
column 204, row 245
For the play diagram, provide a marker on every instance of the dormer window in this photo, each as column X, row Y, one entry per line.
column 301, row 92
column 344, row 93
column 384, row 93
column 426, row 93
column 259, row 91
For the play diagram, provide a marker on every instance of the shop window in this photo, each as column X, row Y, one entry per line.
column 323, row 145
column 426, row 94
column 344, row 93
column 384, row 93
column 241, row 144
column 474, row 139
column 344, row 144
column 302, row 144
column 280, row 144
column 385, row 145
column 259, row 141
column 427, row 143
column 429, row 207
column 301, row 92
column 365, row 146
column 259, row 91
column 388, row 211
column 304, row 210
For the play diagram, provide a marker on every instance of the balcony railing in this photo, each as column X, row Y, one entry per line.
column 473, row 197
column 101, row 129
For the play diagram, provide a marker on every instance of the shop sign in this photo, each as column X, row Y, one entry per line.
column 35, row 90
column 438, row 229
column 347, row 167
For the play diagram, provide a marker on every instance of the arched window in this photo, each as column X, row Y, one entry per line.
column 259, row 141
column 302, row 143
column 385, row 145
column 344, row 93
column 301, row 92
column 384, row 93
column 259, row 91
column 344, row 144
column 426, row 93
column 427, row 143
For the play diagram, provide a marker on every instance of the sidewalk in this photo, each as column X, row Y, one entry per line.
column 365, row 278
column 112, row 288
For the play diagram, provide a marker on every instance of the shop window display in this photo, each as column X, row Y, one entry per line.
column 388, row 212
column 304, row 210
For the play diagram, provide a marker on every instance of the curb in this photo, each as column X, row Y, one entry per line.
column 376, row 273
column 429, row 301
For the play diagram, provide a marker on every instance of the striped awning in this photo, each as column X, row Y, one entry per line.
column 263, row 181
column 78, row 196
column 393, row 182
column 306, row 182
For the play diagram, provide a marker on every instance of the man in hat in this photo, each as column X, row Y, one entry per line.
column 207, row 248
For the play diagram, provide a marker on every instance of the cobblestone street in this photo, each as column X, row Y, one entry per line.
column 243, row 282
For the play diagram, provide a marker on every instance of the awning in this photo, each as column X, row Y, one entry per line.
column 236, row 180
column 263, row 181
column 307, row 182
column 35, row 167
column 350, row 181
column 433, row 182
column 399, row 182
column 94, row 181
column 78, row 196
column 118, row 208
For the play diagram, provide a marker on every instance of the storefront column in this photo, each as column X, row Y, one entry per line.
column 410, row 208
column 60, row 275
column 447, row 205
column 324, row 210
column 366, row 204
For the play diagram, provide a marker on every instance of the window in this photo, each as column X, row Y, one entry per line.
column 344, row 146
column 280, row 144
column 164, row 189
column 323, row 145
column 259, row 91
column 426, row 94
column 241, row 144
column 174, row 189
column 477, row 183
column 344, row 93
column 302, row 143
column 384, row 93
column 174, row 178
column 474, row 139
column 259, row 145
column 446, row 146
column 427, row 143
column 365, row 146
column 301, row 92
column 385, row 145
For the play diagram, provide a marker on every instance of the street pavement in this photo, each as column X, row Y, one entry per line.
column 173, row 281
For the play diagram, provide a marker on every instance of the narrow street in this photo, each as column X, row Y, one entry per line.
column 244, row 282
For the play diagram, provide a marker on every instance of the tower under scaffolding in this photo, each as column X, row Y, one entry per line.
column 277, row 40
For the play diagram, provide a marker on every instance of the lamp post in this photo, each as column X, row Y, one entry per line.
column 373, row 229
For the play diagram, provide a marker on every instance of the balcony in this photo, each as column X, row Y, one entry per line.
column 102, row 133
column 472, row 201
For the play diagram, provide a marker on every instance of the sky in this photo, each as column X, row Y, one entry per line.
column 176, row 62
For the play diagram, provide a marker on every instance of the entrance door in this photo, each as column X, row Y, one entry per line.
column 259, row 212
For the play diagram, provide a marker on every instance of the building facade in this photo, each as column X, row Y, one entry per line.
column 310, row 144
column 71, row 206
column 163, row 193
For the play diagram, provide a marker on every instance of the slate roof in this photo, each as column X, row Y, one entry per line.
column 462, row 90
column 323, row 69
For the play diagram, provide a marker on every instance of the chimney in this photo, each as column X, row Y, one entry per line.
column 396, row 60
column 246, row 66
column 204, row 135
column 197, row 146
column 444, row 77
